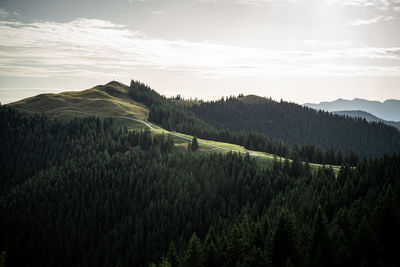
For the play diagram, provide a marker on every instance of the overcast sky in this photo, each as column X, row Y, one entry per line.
column 296, row 50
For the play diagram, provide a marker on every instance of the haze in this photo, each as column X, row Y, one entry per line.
column 296, row 50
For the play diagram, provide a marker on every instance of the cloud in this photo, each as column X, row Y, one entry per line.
column 359, row 22
column 4, row 13
column 157, row 12
column 96, row 48
column 369, row 4
column 379, row 4
column 265, row 1
column 325, row 43
column 131, row 1
column 250, row 2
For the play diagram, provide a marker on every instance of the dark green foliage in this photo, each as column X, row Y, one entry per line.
column 285, row 247
column 3, row 258
column 211, row 253
column 195, row 144
column 144, row 94
column 88, row 193
column 387, row 226
column 172, row 255
column 272, row 127
column 176, row 116
column 235, row 249
column 295, row 124
column 296, row 163
column 194, row 119
column 320, row 247
column 194, row 252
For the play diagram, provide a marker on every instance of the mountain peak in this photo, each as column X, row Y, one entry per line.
column 115, row 83
column 254, row 99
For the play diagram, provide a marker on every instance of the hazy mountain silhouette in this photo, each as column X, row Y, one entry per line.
column 388, row 110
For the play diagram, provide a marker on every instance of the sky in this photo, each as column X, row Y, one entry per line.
column 295, row 50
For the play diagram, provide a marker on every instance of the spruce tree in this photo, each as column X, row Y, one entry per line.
column 284, row 242
column 172, row 255
column 320, row 250
column 195, row 144
column 194, row 252
column 236, row 247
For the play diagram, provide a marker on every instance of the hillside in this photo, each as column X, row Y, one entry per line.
column 368, row 116
column 293, row 124
column 388, row 110
column 88, row 193
column 110, row 99
column 251, row 121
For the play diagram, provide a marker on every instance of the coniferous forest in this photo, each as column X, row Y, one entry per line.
column 90, row 193
column 280, row 128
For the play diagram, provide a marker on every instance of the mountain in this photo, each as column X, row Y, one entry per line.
column 368, row 116
column 257, row 123
column 289, row 122
column 388, row 110
column 109, row 99
column 91, row 193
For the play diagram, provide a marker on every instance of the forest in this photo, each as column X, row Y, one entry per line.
column 279, row 128
column 90, row 193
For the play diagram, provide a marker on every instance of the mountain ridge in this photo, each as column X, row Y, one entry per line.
column 257, row 123
column 388, row 110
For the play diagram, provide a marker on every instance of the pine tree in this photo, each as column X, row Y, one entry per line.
column 194, row 252
column 172, row 256
column 195, row 144
column 386, row 223
column 320, row 250
column 211, row 254
column 235, row 249
column 284, row 242
column 296, row 167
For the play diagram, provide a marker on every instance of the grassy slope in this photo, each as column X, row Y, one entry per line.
column 207, row 146
column 109, row 99
column 112, row 99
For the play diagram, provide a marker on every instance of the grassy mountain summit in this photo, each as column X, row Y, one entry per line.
column 254, row 99
column 109, row 99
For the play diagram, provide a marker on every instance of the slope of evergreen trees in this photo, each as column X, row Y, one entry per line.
column 88, row 193
column 296, row 124
column 231, row 120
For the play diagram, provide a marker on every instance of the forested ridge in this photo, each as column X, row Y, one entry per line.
column 296, row 124
column 89, row 193
column 280, row 128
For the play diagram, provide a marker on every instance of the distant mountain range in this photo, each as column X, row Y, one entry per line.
column 367, row 116
column 388, row 110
